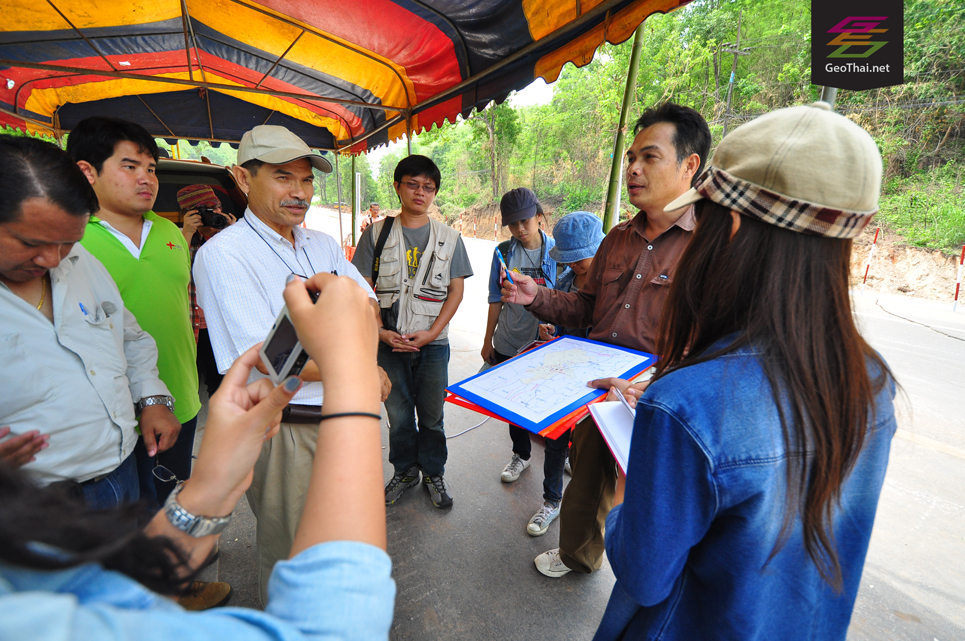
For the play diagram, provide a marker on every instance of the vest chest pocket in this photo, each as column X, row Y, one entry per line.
column 437, row 273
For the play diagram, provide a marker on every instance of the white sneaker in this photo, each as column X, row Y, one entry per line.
column 513, row 469
column 549, row 564
column 541, row 520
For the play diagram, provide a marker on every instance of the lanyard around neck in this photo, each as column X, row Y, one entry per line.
column 280, row 256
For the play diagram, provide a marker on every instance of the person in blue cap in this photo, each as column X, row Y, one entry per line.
column 578, row 236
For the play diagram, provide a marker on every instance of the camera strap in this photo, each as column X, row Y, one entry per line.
column 379, row 246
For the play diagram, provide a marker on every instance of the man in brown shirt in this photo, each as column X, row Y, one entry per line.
column 624, row 297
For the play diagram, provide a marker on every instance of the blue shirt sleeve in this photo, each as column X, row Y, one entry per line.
column 669, row 502
column 494, row 286
column 331, row 591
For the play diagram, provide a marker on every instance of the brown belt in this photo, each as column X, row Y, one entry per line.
column 301, row 414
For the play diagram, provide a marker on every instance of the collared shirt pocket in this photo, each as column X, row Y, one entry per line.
column 106, row 333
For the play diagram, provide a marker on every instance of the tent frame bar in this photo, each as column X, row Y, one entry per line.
column 403, row 114
column 194, row 83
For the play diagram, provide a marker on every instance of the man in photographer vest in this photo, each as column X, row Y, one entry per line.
column 417, row 266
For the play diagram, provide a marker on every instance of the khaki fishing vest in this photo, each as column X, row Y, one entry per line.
column 421, row 298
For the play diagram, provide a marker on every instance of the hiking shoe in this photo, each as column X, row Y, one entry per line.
column 566, row 466
column 549, row 564
column 513, row 469
column 438, row 490
column 400, row 483
column 540, row 522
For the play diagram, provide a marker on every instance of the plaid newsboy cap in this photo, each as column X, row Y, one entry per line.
column 193, row 196
column 806, row 169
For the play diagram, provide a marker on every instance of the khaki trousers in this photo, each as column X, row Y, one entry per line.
column 587, row 499
column 277, row 494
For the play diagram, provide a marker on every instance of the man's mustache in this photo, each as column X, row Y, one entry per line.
column 297, row 202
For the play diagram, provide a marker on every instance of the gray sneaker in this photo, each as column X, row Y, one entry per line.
column 540, row 522
column 513, row 469
column 438, row 490
column 400, row 483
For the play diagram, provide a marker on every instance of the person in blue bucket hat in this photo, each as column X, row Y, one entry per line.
column 578, row 236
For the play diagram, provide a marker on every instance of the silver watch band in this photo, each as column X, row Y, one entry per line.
column 167, row 401
column 190, row 524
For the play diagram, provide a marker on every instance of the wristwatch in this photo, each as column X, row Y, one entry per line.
column 167, row 401
column 196, row 526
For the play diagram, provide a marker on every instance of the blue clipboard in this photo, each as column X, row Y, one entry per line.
column 509, row 416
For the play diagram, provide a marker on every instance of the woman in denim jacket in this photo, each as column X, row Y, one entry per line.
column 759, row 450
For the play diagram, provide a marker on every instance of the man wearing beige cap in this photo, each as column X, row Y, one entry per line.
column 240, row 275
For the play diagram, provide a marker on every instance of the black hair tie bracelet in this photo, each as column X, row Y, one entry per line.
column 346, row 414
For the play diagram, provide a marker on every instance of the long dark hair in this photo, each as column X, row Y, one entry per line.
column 786, row 294
column 55, row 517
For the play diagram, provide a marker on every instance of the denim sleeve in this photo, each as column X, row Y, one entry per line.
column 669, row 503
column 494, row 287
column 333, row 591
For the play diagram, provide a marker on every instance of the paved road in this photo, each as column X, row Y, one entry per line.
column 468, row 573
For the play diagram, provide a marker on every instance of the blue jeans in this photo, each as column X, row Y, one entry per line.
column 419, row 381
column 114, row 490
column 177, row 459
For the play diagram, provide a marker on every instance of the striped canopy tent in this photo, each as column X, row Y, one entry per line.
column 343, row 75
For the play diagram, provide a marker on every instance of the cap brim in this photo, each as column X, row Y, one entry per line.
column 520, row 214
column 688, row 198
column 283, row 156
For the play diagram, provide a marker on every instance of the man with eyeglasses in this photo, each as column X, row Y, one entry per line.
column 240, row 275
column 417, row 266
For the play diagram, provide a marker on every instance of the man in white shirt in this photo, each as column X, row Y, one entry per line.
column 240, row 275
column 73, row 360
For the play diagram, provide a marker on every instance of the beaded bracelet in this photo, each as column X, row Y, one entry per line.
column 345, row 414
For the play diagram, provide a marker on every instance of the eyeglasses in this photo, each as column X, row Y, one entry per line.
column 426, row 188
column 162, row 473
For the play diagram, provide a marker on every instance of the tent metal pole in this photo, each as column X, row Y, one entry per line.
column 828, row 95
column 355, row 198
column 408, row 132
column 338, row 182
column 611, row 214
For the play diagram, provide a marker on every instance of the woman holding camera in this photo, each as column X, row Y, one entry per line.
column 72, row 574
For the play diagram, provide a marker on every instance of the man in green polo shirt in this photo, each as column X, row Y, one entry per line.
column 150, row 262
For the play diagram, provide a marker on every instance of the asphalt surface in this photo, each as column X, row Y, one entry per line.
column 467, row 572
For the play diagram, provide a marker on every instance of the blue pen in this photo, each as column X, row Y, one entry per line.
column 82, row 308
column 502, row 261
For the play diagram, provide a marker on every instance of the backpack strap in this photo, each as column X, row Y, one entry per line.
column 379, row 246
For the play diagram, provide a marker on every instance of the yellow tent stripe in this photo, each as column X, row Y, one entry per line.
column 46, row 101
column 338, row 59
column 37, row 15
column 580, row 50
